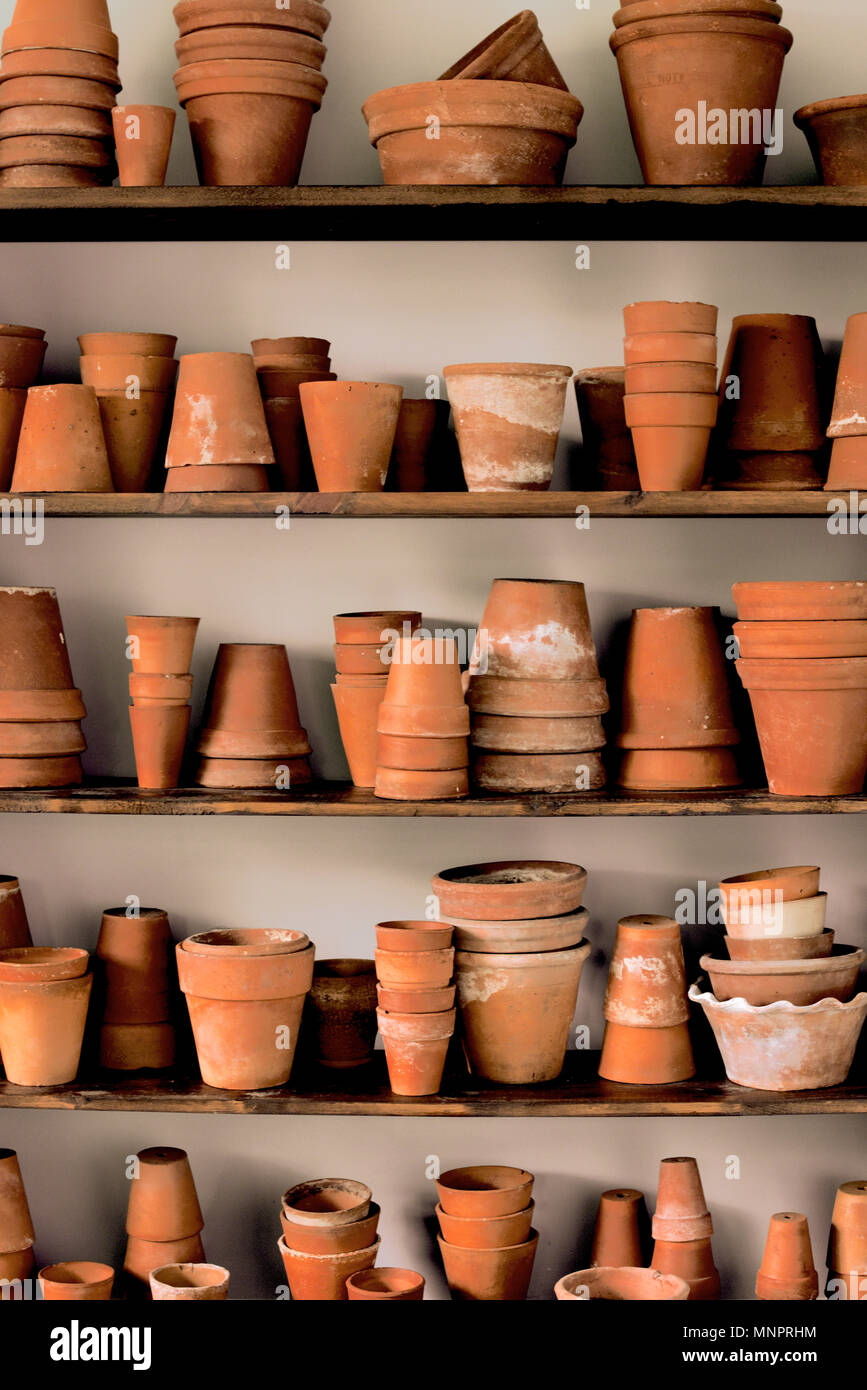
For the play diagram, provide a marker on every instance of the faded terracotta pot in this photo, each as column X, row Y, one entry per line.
column 412, row 966
column 159, row 736
column 323, row 1239
column 515, row 51
column 136, row 963
column 505, row 938
column 327, row 1202
column 414, row 459
column 35, row 964
column 621, row 1284
column 536, row 629
column 647, row 979
column 53, row 176
column 305, row 16
column 835, row 132
column 127, row 344
column 511, row 890
column 341, row 1013
column 415, row 999
column 486, row 1232
column 416, row 1046
column 12, row 404
column 537, row 699
column 425, row 673
column 20, row 358
column 76, row 1281
column 351, row 427
column 16, row 1223
column 14, row 927
column 787, row 1272
column 132, row 430
column 188, row 1283
column 61, row 447
column 801, row 639
column 357, row 714
column 847, row 1245
column 142, row 1256
column 780, row 947
column 539, row 772
column 489, row 1276
column 251, row 709
column 675, row 689
column 485, row 1192
column 55, row 150
column 678, row 769
column 743, row 891
column 753, row 913
column 218, row 417
column 274, row 774
column 617, row 1234
column 513, row 734
column 799, row 981
column 394, row 1285
column 608, row 452
column 692, row 1261
column 801, row 599
column 778, row 361
column 322, row 1278
column 161, row 645
column 163, row 1203
column 681, row 1209
column 41, row 1030
column 508, row 417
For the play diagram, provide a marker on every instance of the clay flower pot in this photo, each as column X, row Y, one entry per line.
column 536, row 934
column 34, row 964
column 41, row 663
column 76, row 1281
column 835, row 132
column 159, row 735
column 322, row 1278
column 726, row 62
column 648, row 348
column 371, row 629
column 784, row 1047
column 621, row 1284
column 12, row 404
column 801, row 639
column 515, row 51
column 742, row 892
column 395, row 1285
column 114, row 371
column 767, row 917
column 136, row 963
column 537, row 699
column 647, row 980
column 20, row 358
column 357, row 715
column 251, row 709
column 163, row 1204
column 289, row 441
column 485, row 1192
column 486, row 1232
column 608, row 452
column 692, row 1261
column 14, row 927
column 415, row 999
column 416, row 1046
column 123, row 344
column 536, row 629
column 305, row 16
column 781, row 947
column 847, row 1245
column 187, row 1283
column 397, row 784
column 539, row 772
column 617, row 1234
column 421, row 754
column 489, row 1276
column 421, row 425
column 508, row 417
column 424, row 696
column 149, row 689
column 666, row 316
column 849, row 414
column 675, row 689
column 69, row 414
column 646, row 1056
column 17, row 1264
column 42, row 1029
column 652, row 378
column 218, row 417
column 16, row 1224
column 132, row 429
column 351, row 427
column 327, row 1202
column 848, row 467
column 778, row 361
column 517, row 1011
column 143, row 136
column 161, row 646
column 678, row 769
column 801, row 599
column 291, row 347
column 799, row 981
column 671, row 433
column 412, row 937
column 322, row 1239
column 681, row 1209
column 787, row 1272
column 477, row 120
column 143, row 1256
column 510, row 891
column 341, row 1013
column 512, row 734
column 251, row 131
column 137, row 1046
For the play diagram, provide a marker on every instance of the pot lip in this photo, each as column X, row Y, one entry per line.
column 331, row 1256
column 709, row 1002
column 496, row 46
column 471, row 876
column 437, row 1025
column 715, row 24
column 600, row 1273
column 841, row 959
column 829, row 106
column 374, row 1212
column 310, row 1186
column 219, row 1270
column 523, row 960
column 510, row 369
column 488, row 1220
column 532, row 1239
column 600, row 373
column 522, row 1177
column 526, row 924
column 759, row 876
column 803, row 672
column 238, row 943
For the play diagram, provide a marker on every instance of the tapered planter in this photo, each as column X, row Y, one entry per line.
column 617, row 1235
column 787, row 1272
column 251, row 131
column 835, row 132
column 381, row 1285
column 322, row 1278
column 159, row 736
column 777, row 362
column 508, row 417
column 351, row 427
column 357, row 715
column 681, row 1207
column 61, row 447
column 847, row 1244
column 143, row 138
column 675, row 692
column 341, row 1012
column 416, row 1046
column 77, row 1281
column 134, row 952
column 647, row 979
column 608, row 451
column 16, row 1224
column 219, row 417
column 42, row 1029
column 163, row 1204
column 536, row 629
column 489, row 1276
column 161, row 646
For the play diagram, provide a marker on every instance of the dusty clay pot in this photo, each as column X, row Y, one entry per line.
column 486, row 1232
column 289, row 440
column 321, row 1239
column 424, row 673
column 414, row 460
column 778, row 361
column 143, row 136
column 163, row 1203
column 160, row 689
column 504, row 734
column 647, row 979
column 787, row 1271
column 508, row 417
column 14, row 927
column 646, row 1056
column 510, row 891
column 505, row 938
column 671, row 434
column 608, row 452
column 305, row 16
column 801, row 600
column 61, row 447
column 835, row 131
column 432, row 968
column 536, row 629
column 799, row 981
column 322, row 1278
column 681, row 1209
column 539, row 772
column 780, row 947
column 291, row 347
column 39, row 665
column 341, row 1013
column 617, row 1234
column 12, row 404
column 515, row 51
column 801, row 639
column 485, row 1192
column 357, row 714
column 327, row 1202
column 27, row 740
column 16, row 1224
column 415, row 1050
column 847, row 1244
column 41, row 1030
column 675, row 689
column 849, row 414
column 77, row 1281
column 252, row 131
column 159, row 735
column 142, row 1256
column 32, row 964
column 188, row 1283
column 54, row 150
column 394, row 1285
column 17, row 1264
column 692, row 1261
column 161, row 645
column 351, row 427
column 252, row 709
column 621, row 1284
column 136, row 964
column 537, row 699
column 489, row 1275
column 415, row 999
column 218, row 417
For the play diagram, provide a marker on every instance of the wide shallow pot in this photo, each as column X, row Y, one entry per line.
column 485, row 1192
column 780, row 947
column 76, row 1281
column 508, row 417
column 327, row 1202
column 510, row 890
column 357, row 716
column 801, row 599
column 322, row 1278
column 326, row 1239
column 393, row 1285
column 486, row 1232
column 798, row 981
column 189, row 1283
column 489, row 1275
column 415, row 966
column 350, row 429
column 623, row 1284
column 42, row 1029
column 416, row 1046
column 341, row 1013
column 163, row 1204
column 675, row 687
column 512, row 734
column 536, row 934
column 799, row 917
column 836, row 132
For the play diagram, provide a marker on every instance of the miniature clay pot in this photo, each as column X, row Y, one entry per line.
column 617, row 1234
column 321, row 1239
column 692, row 1261
column 414, row 461
column 61, row 447
column 12, row 404
column 849, row 414
column 798, row 981
column 251, row 697
column 505, row 734
column 341, row 1013
column 489, row 1275
column 394, row 1285
column 142, row 1256
column 76, row 1281
column 370, row 629
column 671, row 458
column 647, row 978
column 508, row 417
column 415, row 999
column 539, row 772
column 351, row 427
column 515, row 51
column 536, row 629
column 835, row 131
column 486, row 1192
column 787, row 1271
column 847, row 1245
column 322, row 1278
column 646, row 1056
column 218, row 416
column 163, row 1203
column 274, row 116
column 784, row 1047
column 801, row 639
column 413, row 936
column 416, row 1046
column 799, row 599
column 666, row 316
column 305, row 16
column 675, row 688
column 678, row 769
column 14, row 927
column 412, row 966
column 510, row 891
column 486, row 1233
column 42, row 1028
column 780, row 947
column 622, row 1284
column 159, row 735
column 136, row 964
column 778, row 362
column 681, row 1209
column 143, row 137
column 16, row 1224
column 608, row 452
column 537, row 699
column 188, row 1283
column 327, row 1202
column 421, row 754
column 505, row 938
column 161, row 646
column 32, row 964
column 800, row 917
column 357, row 715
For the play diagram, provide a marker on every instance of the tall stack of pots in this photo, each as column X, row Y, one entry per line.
column 21, row 354
column 360, row 683
column 422, row 724
column 252, row 734
column 487, row 1241
column 646, row 1008
column 161, row 651
column 40, row 709
column 164, row 1221
column 133, row 375
column 416, row 1015
column 682, row 1229
column 329, row 1233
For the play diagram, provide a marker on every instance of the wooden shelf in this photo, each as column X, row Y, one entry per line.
column 430, row 213
column 123, row 798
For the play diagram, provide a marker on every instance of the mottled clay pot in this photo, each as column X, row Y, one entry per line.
column 609, row 455
column 41, row 1030
column 778, row 361
column 16, row 1224
column 416, row 1046
column 848, row 468
column 510, row 891
column 787, row 1272
column 651, row 378
column 351, row 427
column 508, row 417
column 485, row 1192
column 421, row 754
column 647, row 979
column 134, row 952
column 143, row 137
column 142, row 1256
column 646, row 1056
column 692, row 1261
column 137, row 1046
column 305, row 16
column 371, row 629
column 11, row 414
column 14, row 927
column 849, row 414
column 322, row 1278
column 537, row 699
column 61, row 447
column 189, row 1283
column 847, row 1244
column 41, row 663
column 393, row 1285
column 621, row 1284
column 675, row 689
column 536, row 629
column 617, row 1234
column 799, row 981
column 341, row 1013
column 835, row 132
column 803, row 599
column 257, row 137
column 163, row 1203
column 660, row 346
column 218, row 417
column 251, row 709
column 159, row 736
column 489, row 1276
column 515, row 51
column 77, row 1281
column 678, row 769
column 681, row 1209
column 486, row 1232
column 218, row 478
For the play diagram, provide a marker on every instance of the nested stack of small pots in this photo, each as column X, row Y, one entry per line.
column 771, row 423
column 670, row 404
column 848, row 427
column 682, row 1229
column 14, row 927
column 245, row 993
column 519, row 928
column 58, row 85
column 487, row 1242
column 339, row 1028
column 847, row 1244
column 783, row 1007
column 416, row 992
column 535, row 691
column 44, row 997
column 250, row 80
column 507, row 419
column 677, row 727
column 40, row 709
column 252, row 734
column 22, row 351
column 422, row 753
column 164, row 1221
column 329, row 1234
column 219, row 440
column 608, row 453
column 160, row 686
column 17, row 1236
column 363, row 642
column 787, row 1273
column 803, row 648
column 282, row 365
column 646, row 1008
column 69, row 412
column 134, row 951
column 351, row 428
column 133, row 375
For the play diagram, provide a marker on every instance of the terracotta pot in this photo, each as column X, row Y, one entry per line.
column 766, row 471
column 41, row 772
column 517, row 1011
column 848, row 469
column 357, row 713
column 115, row 371
column 617, row 1234
column 647, row 980
column 225, row 944
column 801, row 639
column 728, row 62
column 415, row 966
column 510, row 891
column 681, row 1209
column 486, row 1233
column 161, row 645
column 402, row 1285
column 327, row 1202
column 504, row 734
column 41, row 706
column 671, row 458
column 39, row 664
column 537, row 699
column 536, row 629
column 218, row 478
column 780, row 947
column 508, row 417
column 425, row 672
column 407, row 937
column 489, row 1276
column 142, row 1256
column 778, row 361
column 14, row 927
column 219, row 417
column 136, row 964
column 742, row 892
column 515, row 51
column 163, row 1203
column 17, row 1264
column 341, row 1013
column 331, row 1240
column 250, row 42
column 275, row 774
column 20, row 358
column 783, row 1047
column 351, row 428
column 415, row 1050
column 675, row 689
column 477, row 120
column 641, row 348
column 653, row 9
column 318, row 347
column 650, row 378
column 415, row 465
column 678, row 769
column 835, row 133
column 322, row 1278
column 692, row 1261
column 32, row 964
column 787, row 1271
column 166, row 689
column 666, row 316
column 663, row 409
column 356, row 660
column 289, row 441
column 621, row 1284
column 646, row 1056
column 300, row 362
column 252, row 709
column 360, row 682
column 132, row 430
column 127, row 344
column 422, row 721
column 539, row 772
column 26, row 740
column 11, row 414
column 54, row 150
column 159, row 735
column 71, row 414
column 252, row 138
column 801, row 599
column 56, row 91
column 606, row 440
column 286, row 382
column 485, row 1193
column 61, row 62
column 395, row 753
column 52, row 11
column 305, row 16
column 137, row 1046
column 187, row 1283
column 799, row 981
column 847, row 1245
column 415, row 999
column 505, row 938
column 77, row 1281
column 802, row 917
column 371, row 629
column 16, row 1224
column 849, row 415
column 41, row 1030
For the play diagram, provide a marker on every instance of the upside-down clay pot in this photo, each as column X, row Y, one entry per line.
column 132, row 429
column 163, row 1203
column 515, row 51
column 252, row 709
column 143, row 1256
column 678, row 769
column 322, row 1278
column 647, row 979
column 849, row 413
column 61, row 447
column 847, row 1244
column 504, row 938
column 161, row 645
column 16, row 1224
column 159, row 735
column 77, row 1281
column 667, row 316
column 218, row 417
column 489, row 1276
column 508, row 417
column 416, row 1046
column 692, row 1261
column 12, row 404
column 510, row 890
column 20, row 358
column 681, row 1208
column 532, row 699
column 787, row 1272
column 835, row 131
column 617, row 1234
column 357, row 715
column 143, row 138
column 424, row 696
column 536, row 629
column 777, row 360
column 801, row 599
column 646, row 1056
column 512, row 734
column 351, row 426
column 39, row 664
column 621, row 1284
column 14, row 927
column 341, row 1012
column 42, row 1029
column 675, row 690
column 801, row 639
column 608, row 451
column 393, row 1285
column 539, row 772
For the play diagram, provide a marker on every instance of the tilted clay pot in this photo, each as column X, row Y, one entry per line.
column 489, row 1276
column 62, row 446
column 14, row 927
column 537, row 934
column 351, row 427
column 646, row 1056
column 357, row 715
column 512, row 734
column 515, row 51
column 849, row 414
column 784, row 1047
column 777, row 360
column 159, row 735
column 163, row 1203
column 142, row 1256
column 803, row 599
column 305, row 16
column 835, row 132
column 781, row 947
column 801, row 639
column 16, row 1224
column 132, row 429
column 327, row 1202
column 20, row 359
column 538, row 699
column 32, row 964
column 553, row 773
column 323, row 1239
column 219, row 417
column 143, row 136
column 123, row 344
column 42, row 1029
column 416, row 1046
column 341, row 1012
column 667, row 316
column 678, row 769
column 187, row 1283
column 414, row 462
column 511, row 890
column 675, row 688
column 617, row 1234
column 681, row 1209
column 647, row 979
column 486, row 1232
column 692, row 1261
column 608, row 451
column 160, row 645
column 77, row 1281
column 11, row 414
column 415, row 966
column 787, row 1272
column 517, row 1011
column 847, row 1245
column 415, row 999
column 41, row 663
column 136, row 964
column 322, row 1278
column 536, row 629
column 798, row 981
column 621, row 1284
column 485, row 1192
column 508, row 417
column 274, row 115
column 394, row 1285
column 252, row 696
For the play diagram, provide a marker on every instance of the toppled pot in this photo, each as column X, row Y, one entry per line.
column 515, row 51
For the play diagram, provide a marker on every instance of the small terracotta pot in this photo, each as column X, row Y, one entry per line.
column 692, row 1261
column 187, row 1283
column 357, row 714
column 800, row 981
column 508, row 417
column 322, row 1278
column 425, row 672
column 511, row 890
column 275, row 119
column 608, row 453
column 681, row 1209
column 321, row 1239
column 646, row 1056
column 414, row 465
column 621, row 1284
column 536, row 629
column 395, row 1285
column 787, row 1271
column 678, row 769
column 486, row 1233
column 159, row 735
column 142, row 1256
column 327, row 1202
column 415, row 999
column 666, row 316
column 849, row 414
column 370, row 629
column 666, row 408
column 20, row 358
column 16, row 1223
column 804, row 600
column 778, row 361
column 421, row 754
column 132, row 429
column 489, row 1276
column 671, row 458
column 537, row 699
column 41, row 663
column 71, row 414
column 143, row 136
column 305, row 16
column 505, row 734
column 539, row 772
column 742, row 892
column 160, row 645
column 115, row 371
column 413, row 936
column 835, row 132
column 617, row 1234
column 515, row 51
column 163, row 1203
column 35, row 964
column 351, row 427
column 780, row 947
column 251, row 697
column 76, row 1281
column 647, row 980
column 485, row 1193
column 675, row 689
column 847, row 1245
column 14, row 927
column 136, row 963
column 416, row 1046
column 505, row 938
column 11, row 414
column 42, row 1029
column 640, row 348
column 218, row 417
column 415, row 966
column 341, row 1013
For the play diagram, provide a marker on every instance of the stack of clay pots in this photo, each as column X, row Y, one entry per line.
column 646, row 1008
column 803, row 648
column 419, row 461
column 502, row 115
column 44, row 996
column 416, row 1015
column 16, row 1225
column 362, row 654
column 40, row 709
column 219, row 440
column 282, row 365
column 775, row 915
column 487, row 1241
column 250, row 80
column 847, row 1245
column 329, row 1233
column 519, row 928
column 245, row 994
column 161, row 651
column 787, row 1272
column 508, row 417
column 621, row 1223
column 351, row 428
column 251, row 734
column 189, row 1283
column 677, row 726
column 535, row 691
column 423, row 723
column 14, row 927
column 670, row 404
column 132, row 375
column 69, row 412
column 771, row 424
column 848, row 428
column 340, row 1014
column 621, row 1284
column 682, row 1229
column 687, row 66
column 134, row 949
column 608, row 457
column 58, row 84
column 164, row 1221
column 21, row 354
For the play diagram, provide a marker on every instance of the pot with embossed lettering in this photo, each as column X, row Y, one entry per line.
column 508, row 417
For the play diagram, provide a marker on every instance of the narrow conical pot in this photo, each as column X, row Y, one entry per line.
column 42, row 1029
column 416, row 1046
column 161, row 646
column 847, row 1244
column 675, row 687
column 132, row 430
column 351, row 427
column 357, row 715
column 143, row 139
column 489, row 1276
column 787, row 1272
column 159, row 735
column 849, row 413
column 76, row 1281
column 508, row 418
column 16, row 1223
column 134, row 952
column 322, row 1278
column 681, row 1209
column 61, row 447
column 218, row 417
column 617, row 1234
column 777, row 361
column 189, row 1283
column 647, row 979
column 341, row 1013
column 163, row 1203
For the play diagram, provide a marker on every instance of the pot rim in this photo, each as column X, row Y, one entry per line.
column 522, row 960
column 532, row 1239
column 568, row 1282
column 488, row 1220
column 512, row 369
column 828, row 107
column 333, row 1256
column 803, row 672
column 716, row 24
column 709, row 1001
column 841, row 959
